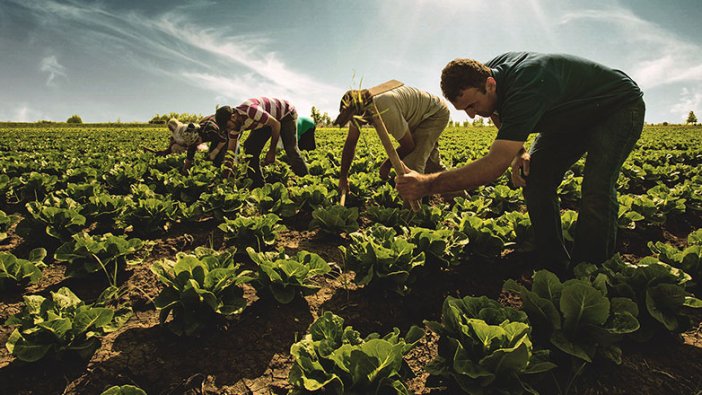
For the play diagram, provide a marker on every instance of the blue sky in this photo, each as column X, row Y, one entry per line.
column 128, row 60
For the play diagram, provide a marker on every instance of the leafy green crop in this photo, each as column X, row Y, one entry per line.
column 334, row 359
column 689, row 259
column 124, row 390
column 59, row 324
column 335, row 220
column 16, row 272
column 485, row 347
column 576, row 316
column 87, row 254
column 6, row 221
column 272, row 198
column 149, row 216
column 258, row 231
column 35, row 186
column 60, row 218
column 657, row 288
column 488, row 237
column 284, row 276
column 312, row 197
column 199, row 289
column 377, row 254
column 392, row 217
column 441, row 245
column 222, row 201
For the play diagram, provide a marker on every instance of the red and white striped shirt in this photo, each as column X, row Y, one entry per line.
column 258, row 110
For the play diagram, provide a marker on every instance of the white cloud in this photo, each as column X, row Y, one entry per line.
column 660, row 58
column 690, row 100
column 172, row 45
column 252, row 56
column 24, row 113
column 51, row 66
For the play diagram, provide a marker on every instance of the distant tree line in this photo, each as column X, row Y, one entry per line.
column 162, row 119
column 323, row 120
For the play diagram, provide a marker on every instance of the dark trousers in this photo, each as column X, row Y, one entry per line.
column 607, row 145
column 257, row 140
column 307, row 142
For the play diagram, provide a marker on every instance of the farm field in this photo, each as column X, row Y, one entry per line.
column 116, row 269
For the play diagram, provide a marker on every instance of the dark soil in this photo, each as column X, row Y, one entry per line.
column 250, row 355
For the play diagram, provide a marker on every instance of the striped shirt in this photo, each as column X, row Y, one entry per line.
column 257, row 112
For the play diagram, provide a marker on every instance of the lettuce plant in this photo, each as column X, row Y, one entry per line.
column 334, row 220
column 60, row 218
column 441, row 245
column 689, row 259
column 485, row 347
column 576, row 316
column 523, row 231
column 222, row 201
column 149, row 216
column 657, row 288
column 189, row 188
column 124, row 390
column 628, row 217
column 258, row 231
column 60, row 324
column 103, row 207
column 5, row 187
column 312, row 197
column 87, row 254
column 386, row 195
column 478, row 205
column 429, row 216
column 122, row 176
column 81, row 192
column 378, row 255
column 199, row 289
column 335, row 359
column 284, row 276
column 6, row 222
column 272, row 198
column 393, row 217
column 488, row 237
column 34, row 186
column 16, row 272
column 503, row 198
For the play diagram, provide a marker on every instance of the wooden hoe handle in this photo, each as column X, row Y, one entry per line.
column 390, row 149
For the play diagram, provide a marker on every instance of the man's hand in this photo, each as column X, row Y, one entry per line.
column 412, row 185
column 520, row 168
column 385, row 169
column 270, row 156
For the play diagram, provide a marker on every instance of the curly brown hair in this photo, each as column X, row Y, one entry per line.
column 462, row 73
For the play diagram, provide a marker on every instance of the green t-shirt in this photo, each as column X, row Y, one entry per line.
column 551, row 94
column 304, row 124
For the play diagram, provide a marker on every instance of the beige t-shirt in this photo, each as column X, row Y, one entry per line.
column 403, row 108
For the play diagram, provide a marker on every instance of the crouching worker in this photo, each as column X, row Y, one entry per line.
column 193, row 137
column 266, row 118
column 305, row 133
column 413, row 117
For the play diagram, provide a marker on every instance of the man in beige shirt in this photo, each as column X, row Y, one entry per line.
column 413, row 117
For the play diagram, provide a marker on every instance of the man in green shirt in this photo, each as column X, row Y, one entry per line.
column 576, row 106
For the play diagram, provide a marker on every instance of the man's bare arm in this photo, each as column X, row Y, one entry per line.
column 413, row 186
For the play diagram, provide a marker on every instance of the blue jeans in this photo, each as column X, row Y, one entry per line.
column 607, row 144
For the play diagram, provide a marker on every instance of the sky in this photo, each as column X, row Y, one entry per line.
column 129, row 60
